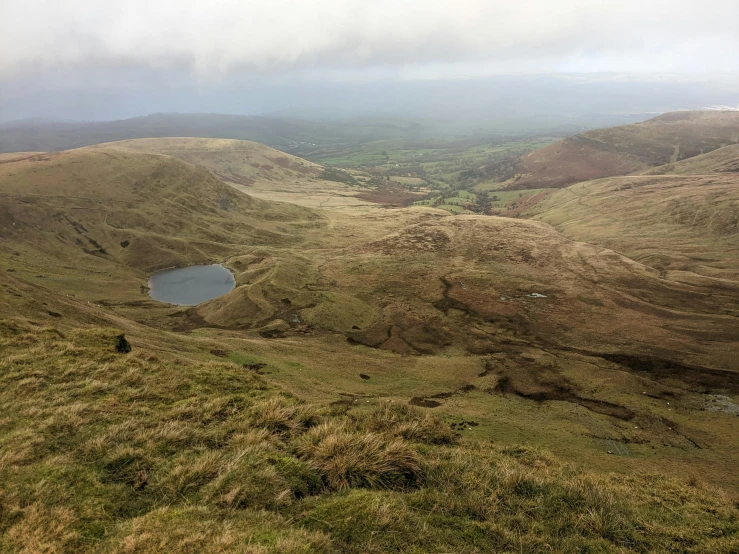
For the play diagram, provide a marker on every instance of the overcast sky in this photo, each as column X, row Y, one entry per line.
column 105, row 59
column 411, row 38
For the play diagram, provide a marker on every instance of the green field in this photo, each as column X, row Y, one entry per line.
column 449, row 171
column 464, row 201
column 441, row 163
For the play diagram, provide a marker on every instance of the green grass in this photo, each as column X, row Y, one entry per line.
column 501, row 199
column 243, row 359
column 460, row 202
column 441, row 163
column 104, row 452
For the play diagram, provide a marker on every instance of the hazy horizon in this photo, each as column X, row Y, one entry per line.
column 473, row 101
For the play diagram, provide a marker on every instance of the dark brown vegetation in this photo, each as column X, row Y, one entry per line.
column 631, row 148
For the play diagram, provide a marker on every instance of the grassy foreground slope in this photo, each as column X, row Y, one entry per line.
column 627, row 149
column 154, row 452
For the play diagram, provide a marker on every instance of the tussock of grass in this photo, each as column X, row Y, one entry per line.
column 409, row 423
column 348, row 459
column 125, row 453
column 281, row 414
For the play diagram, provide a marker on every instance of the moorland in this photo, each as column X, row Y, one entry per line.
column 460, row 346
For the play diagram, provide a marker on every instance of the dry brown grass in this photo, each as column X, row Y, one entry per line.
column 349, row 459
column 255, row 169
column 672, row 223
column 149, row 452
column 408, row 422
column 627, row 149
column 173, row 447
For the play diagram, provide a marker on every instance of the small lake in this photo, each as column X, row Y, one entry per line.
column 189, row 286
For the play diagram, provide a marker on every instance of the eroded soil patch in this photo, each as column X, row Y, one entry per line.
column 663, row 369
column 542, row 384
column 432, row 401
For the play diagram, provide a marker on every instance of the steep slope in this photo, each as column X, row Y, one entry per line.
column 688, row 224
column 94, row 219
column 723, row 160
column 627, row 149
column 156, row 452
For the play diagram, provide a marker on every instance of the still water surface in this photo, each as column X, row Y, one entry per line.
column 189, row 286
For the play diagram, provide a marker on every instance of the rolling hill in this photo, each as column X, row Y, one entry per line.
column 91, row 220
column 236, row 161
column 627, row 149
column 374, row 371
column 253, row 168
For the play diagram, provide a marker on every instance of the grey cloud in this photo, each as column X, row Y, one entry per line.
column 216, row 38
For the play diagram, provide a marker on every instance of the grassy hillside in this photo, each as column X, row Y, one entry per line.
column 259, row 170
column 627, row 149
column 681, row 224
column 374, row 372
column 236, row 161
column 723, row 160
column 158, row 452
column 91, row 221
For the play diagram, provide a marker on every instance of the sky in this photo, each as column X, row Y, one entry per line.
column 85, row 45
